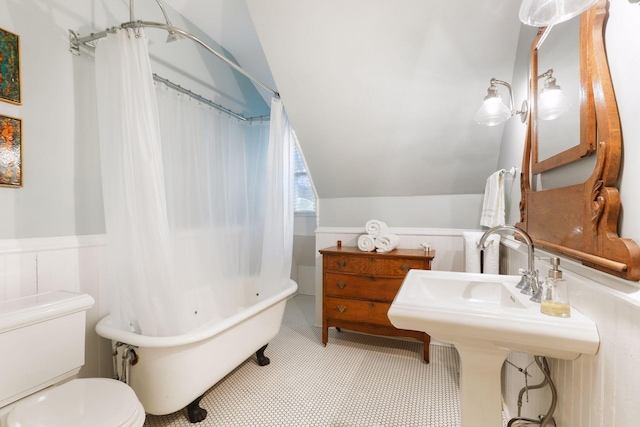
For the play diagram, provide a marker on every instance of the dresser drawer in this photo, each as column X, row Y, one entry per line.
column 359, row 287
column 371, row 265
column 364, row 287
column 350, row 310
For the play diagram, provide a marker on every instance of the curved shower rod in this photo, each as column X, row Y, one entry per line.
column 75, row 41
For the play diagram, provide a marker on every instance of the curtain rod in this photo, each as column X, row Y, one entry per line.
column 204, row 100
column 75, row 41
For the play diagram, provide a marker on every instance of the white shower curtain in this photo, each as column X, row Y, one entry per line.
column 197, row 205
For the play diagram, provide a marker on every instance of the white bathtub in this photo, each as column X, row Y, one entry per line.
column 172, row 372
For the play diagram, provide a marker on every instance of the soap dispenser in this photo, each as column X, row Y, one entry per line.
column 555, row 294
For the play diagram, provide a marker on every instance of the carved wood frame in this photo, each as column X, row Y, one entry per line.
column 581, row 221
column 587, row 143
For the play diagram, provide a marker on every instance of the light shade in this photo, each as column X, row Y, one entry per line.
column 552, row 104
column 542, row 13
column 492, row 112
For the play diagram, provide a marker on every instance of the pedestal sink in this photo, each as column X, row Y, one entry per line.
column 486, row 317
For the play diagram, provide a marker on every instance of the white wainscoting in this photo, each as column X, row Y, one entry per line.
column 593, row 391
column 77, row 263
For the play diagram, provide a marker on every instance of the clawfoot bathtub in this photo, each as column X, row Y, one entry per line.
column 173, row 372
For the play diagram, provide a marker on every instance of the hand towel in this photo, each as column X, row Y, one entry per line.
column 366, row 243
column 491, row 252
column 387, row 243
column 493, row 205
column 376, row 228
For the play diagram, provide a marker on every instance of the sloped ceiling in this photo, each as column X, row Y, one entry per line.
column 381, row 93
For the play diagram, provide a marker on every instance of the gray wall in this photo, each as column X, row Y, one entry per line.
column 62, row 185
column 446, row 211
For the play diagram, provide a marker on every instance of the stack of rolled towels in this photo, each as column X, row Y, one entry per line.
column 377, row 238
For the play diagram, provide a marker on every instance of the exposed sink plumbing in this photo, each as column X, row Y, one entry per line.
column 530, row 282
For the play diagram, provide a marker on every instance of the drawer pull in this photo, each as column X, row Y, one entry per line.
column 405, row 267
column 342, row 263
column 341, row 285
column 341, row 308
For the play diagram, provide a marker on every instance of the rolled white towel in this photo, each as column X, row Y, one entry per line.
column 387, row 243
column 376, row 228
column 366, row 243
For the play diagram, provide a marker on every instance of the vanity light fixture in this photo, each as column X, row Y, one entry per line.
column 552, row 103
column 493, row 111
column 542, row 13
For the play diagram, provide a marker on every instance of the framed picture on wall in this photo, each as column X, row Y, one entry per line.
column 10, row 151
column 10, row 90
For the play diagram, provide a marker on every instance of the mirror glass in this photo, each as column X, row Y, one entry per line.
column 570, row 136
column 558, row 52
column 562, row 145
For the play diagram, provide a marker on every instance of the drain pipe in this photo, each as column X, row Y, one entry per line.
column 114, row 355
column 554, row 394
column 526, row 389
column 129, row 358
column 546, row 420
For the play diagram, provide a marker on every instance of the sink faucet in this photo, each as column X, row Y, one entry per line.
column 530, row 283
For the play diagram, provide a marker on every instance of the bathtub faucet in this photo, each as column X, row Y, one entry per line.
column 529, row 283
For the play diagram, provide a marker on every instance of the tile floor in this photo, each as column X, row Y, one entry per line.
column 355, row 381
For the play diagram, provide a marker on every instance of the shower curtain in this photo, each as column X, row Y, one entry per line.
column 198, row 206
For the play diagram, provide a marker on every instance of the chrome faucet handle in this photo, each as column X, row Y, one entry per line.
column 527, row 289
column 523, row 280
column 537, row 295
column 533, row 287
column 531, row 283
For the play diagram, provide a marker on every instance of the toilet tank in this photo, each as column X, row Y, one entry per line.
column 41, row 341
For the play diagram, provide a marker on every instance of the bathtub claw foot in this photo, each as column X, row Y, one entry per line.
column 262, row 359
column 195, row 412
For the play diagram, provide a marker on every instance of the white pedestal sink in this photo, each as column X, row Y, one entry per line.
column 486, row 317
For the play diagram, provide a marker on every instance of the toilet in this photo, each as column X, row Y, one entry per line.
column 42, row 340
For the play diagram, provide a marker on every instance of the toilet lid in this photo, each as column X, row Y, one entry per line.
column 96, row 402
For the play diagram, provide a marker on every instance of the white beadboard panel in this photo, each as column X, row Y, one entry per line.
column 624, row 338
column 59, row 270
column 3, row 277
column 89, row 260
column 448, row 243
column 20, row 278
column 74, row 263
column 102, row 297
column 105, row 362
column 599, row 390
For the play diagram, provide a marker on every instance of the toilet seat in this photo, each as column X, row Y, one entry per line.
column 96, row 402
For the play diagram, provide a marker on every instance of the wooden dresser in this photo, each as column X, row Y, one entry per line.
column 358, row 288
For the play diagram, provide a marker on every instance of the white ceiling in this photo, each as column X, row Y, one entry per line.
column 381, row 93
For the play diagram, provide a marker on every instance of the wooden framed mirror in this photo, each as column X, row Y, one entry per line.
column 579, row 220
column 569, row 137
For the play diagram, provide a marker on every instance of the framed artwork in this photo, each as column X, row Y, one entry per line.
column 10, row 151
column 10, row 90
